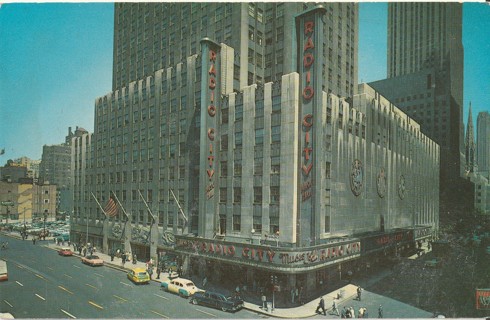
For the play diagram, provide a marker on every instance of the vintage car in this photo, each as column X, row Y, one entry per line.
column 138, row 275
column 183, row 287
column 93, row 260
column 217, row 300
column 65, row 252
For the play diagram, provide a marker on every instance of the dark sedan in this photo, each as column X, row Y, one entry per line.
column 217, row 300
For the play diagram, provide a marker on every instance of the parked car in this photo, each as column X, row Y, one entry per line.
column 183, row 287
column 217, row 300
column 138, row 275
column 433, row 263
column 93, row 260
column 65, row 252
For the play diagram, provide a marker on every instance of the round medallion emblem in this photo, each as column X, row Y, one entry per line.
column 381, row 183
column 356, row 177
column 401, row 187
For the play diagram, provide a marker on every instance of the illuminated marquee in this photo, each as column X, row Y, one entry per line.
column 307, row 123
column 211, row 131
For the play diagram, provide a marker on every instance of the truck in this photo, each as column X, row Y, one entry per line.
column 3, row 271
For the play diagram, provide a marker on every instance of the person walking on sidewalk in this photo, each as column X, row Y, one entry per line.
column 334, row 307
column 380, row 312
column 359, row 290
column 321, row 305
column 123, row 259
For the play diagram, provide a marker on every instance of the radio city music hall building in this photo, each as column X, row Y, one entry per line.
column 279, row 179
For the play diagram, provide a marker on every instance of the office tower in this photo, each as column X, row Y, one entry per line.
column 470, row 146
column 425, row 79
column 483, row 143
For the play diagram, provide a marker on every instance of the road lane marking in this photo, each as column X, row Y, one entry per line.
column 120, row 298
column 11, row 306
column 68, row 314
column 68, row 276
column 39, row 276
column 77, row 266
column 99, row 274
column 65, row 289
column 161, row 296
column 90, row 286
column 125, row 284
column 40, row 297
column 95, row 305
column 50, row 268
column 20, row 284
column 20, row 267
column 209, row 314
column 161, row 315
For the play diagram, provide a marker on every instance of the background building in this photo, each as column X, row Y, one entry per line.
column 153, row 36
column 55, row 168
column 425, row 79
column 483, row 143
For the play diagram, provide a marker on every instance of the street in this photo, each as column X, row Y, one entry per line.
column 43, row 284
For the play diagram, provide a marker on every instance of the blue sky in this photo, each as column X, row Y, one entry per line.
column 56, row 59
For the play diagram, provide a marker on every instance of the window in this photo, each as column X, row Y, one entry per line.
column 238, row 138
column 170, row 219
column 237, row 195
column 258, row 195
column 237, row 168
column 222, row 195
column 276, row 134
column 251, row 33
column 224, row 142
column 224, row 169
column 236, row 222
column 259, row 136
column 275, row 195
column 251, row 10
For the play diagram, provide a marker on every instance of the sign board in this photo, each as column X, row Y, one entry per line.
column 483, row 299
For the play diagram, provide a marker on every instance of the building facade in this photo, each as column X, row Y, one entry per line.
column 483, row 143
column 29, row 201
column 425, row 79
column 281, row 177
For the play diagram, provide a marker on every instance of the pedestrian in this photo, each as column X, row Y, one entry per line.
column 80, row 249
column 150, row 271
column 84, row 251
column 380, row 312
column 359, row 293
column 264, row 300
column 300, row 296
column 123, row 259
column 334, row 307
column 204, row 281
column 343, row 313
column 33, row 240
column 181, row 271
column 360, row 314
column 321, row 305
column 348, row 313
column 159, row 270
column 293, row 293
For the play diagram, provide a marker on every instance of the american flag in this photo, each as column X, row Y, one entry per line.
column 111, row 208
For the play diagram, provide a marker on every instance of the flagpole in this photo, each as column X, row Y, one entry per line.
column 147, row 207
column 121, row 205
column 178, row 204
column 99, row 204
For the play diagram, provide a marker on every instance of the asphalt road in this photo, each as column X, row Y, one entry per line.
column 43, row 284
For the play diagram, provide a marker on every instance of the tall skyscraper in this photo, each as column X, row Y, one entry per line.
column 425, row 78
column 483, row 143
column 470, row 146
column 154, row 36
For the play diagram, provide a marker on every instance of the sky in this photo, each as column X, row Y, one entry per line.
column 56, row 59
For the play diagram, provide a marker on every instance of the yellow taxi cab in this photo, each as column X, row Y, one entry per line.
column 139, row 275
